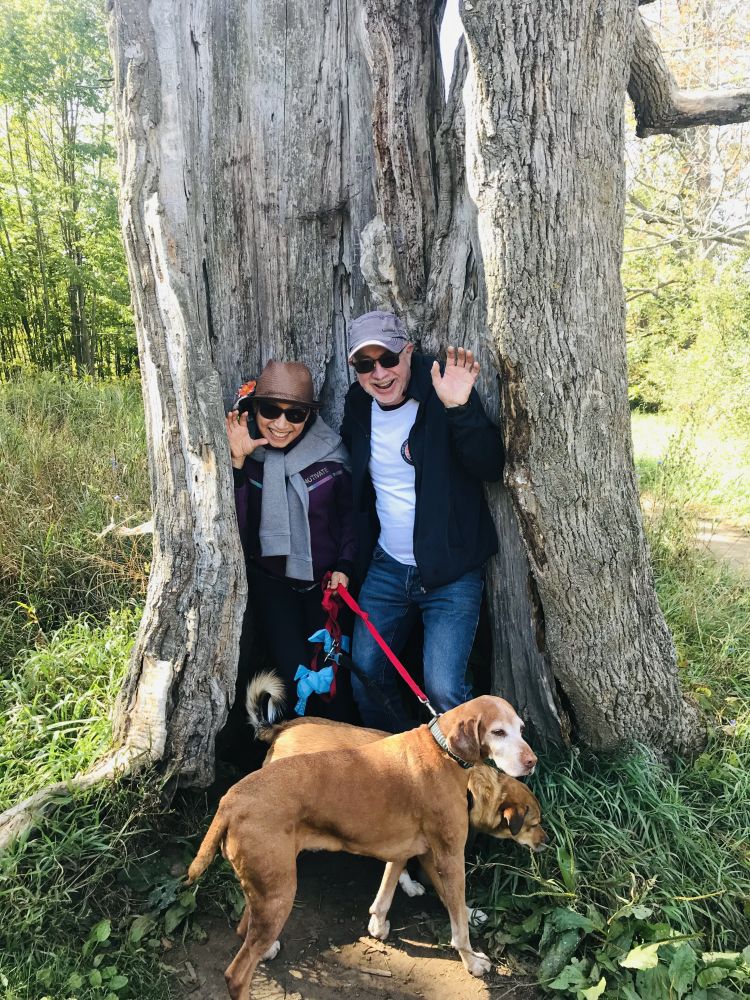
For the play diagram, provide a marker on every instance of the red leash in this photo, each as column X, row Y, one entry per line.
column 347, row 598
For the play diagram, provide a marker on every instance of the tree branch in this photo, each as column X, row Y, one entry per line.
column 661, row 106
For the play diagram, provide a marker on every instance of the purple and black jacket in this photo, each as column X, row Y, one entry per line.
column 329, row 488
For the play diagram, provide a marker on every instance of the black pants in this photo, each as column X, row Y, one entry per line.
column 284, row 618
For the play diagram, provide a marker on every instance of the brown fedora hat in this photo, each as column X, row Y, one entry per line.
column 287, row 381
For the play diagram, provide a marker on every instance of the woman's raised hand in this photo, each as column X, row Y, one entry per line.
column 241, row 445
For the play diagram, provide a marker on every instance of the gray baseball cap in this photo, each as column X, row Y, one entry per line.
column 377, row 329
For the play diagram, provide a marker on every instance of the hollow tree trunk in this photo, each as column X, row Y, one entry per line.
column 286, row 167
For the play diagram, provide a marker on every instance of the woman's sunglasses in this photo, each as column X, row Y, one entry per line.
column 270, row 411
column 386, row 360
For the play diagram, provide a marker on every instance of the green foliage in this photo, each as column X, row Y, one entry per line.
column 646, row 894
column 686, row 263
column 689, row 345
column 64, row 300
column 57, row 701
column 71, row 462
column 65, row 909
column 661, row 874
column 686, row 469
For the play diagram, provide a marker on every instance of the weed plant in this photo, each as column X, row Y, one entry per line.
column 72, row 462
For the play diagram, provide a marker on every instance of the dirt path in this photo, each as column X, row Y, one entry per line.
column 326, row 952
column 725, row 541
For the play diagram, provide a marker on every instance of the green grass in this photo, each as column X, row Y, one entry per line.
column 72, row 461
column 714, row 471
column 57, row 701
column 60, row 882
column 647, row 848
column 644, row 848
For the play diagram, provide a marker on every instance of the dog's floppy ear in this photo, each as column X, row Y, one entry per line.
column 514, row 817
column 465, row 739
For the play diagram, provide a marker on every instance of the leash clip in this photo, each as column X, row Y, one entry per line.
column 333, row 653
column 430, row 709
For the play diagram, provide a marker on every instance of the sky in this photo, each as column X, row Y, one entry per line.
column 450, row 31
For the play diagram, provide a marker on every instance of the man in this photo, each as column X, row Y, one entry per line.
column 420, row 445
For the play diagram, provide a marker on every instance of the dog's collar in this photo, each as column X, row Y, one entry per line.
column 439, row 738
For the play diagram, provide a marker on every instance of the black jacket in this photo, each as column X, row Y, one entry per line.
column 454, row 451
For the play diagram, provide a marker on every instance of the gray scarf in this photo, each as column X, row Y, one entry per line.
column 284, row 524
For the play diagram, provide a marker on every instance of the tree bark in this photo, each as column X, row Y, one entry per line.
column 545, row 169
column 457, row 314
column 286, row 167
column 183, row 668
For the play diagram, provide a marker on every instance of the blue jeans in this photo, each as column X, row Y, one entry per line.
column 393, row 596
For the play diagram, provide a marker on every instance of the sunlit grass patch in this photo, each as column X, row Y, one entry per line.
column 72, row 462
column 56, row 704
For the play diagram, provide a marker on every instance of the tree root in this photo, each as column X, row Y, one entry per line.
column 25, row 815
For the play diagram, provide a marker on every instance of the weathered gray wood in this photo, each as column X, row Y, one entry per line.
column 290, row 186
column 182, row 672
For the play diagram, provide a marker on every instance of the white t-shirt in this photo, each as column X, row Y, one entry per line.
column 392, row 474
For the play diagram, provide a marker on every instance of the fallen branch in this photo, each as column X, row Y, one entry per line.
column 121, row 529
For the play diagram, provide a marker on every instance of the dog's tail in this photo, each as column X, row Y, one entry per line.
column 265, row 702
column 209, row 847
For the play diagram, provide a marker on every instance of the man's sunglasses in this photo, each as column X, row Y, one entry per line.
column 270, row 411
column 386, row 360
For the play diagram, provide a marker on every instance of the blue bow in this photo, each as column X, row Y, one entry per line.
column 311, row 682
column 324, row 636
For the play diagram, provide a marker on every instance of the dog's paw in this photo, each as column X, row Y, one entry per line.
column 477, row 918
column 410, row 886
column 378, row 927
column 272, row 951
column 476, row 962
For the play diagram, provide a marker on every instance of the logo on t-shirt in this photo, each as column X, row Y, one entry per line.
column 405, row 453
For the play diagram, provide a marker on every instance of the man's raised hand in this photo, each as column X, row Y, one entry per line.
column 454, row 386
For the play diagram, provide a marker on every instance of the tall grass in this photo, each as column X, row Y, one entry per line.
column 72, row 461
column 66, row 911
column 56, row 702
column 648, row 848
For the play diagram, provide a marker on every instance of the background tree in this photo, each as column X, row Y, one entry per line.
column 687, row 235
column 63, row 294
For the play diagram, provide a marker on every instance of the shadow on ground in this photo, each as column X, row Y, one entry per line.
column 326, row 952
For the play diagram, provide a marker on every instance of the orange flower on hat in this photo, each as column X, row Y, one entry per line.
column 247, row 389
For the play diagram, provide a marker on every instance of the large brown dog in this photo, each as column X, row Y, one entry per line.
column 394, row 799
column 499, row 805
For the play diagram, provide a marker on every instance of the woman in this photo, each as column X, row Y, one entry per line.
column 292, row 492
